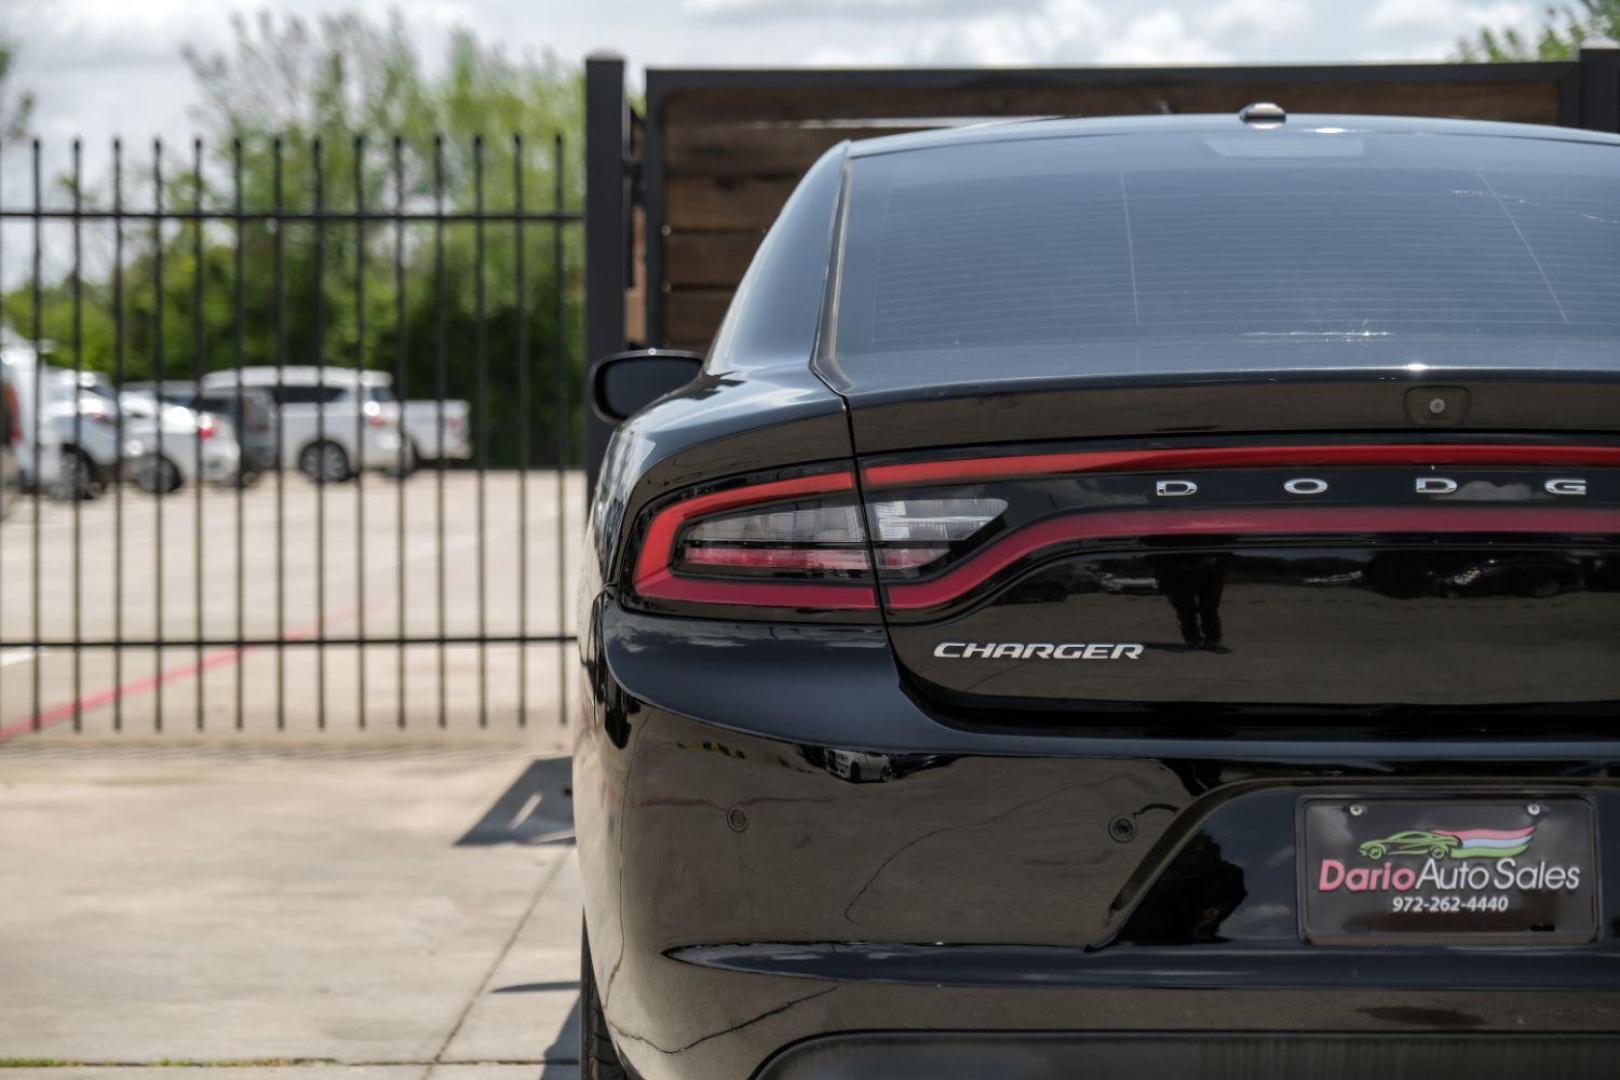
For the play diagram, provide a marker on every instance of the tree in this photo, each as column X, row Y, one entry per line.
column 343, row 111
column 1560, row 37
column 16, row 105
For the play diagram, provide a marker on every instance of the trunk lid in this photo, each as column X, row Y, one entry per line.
column 1364, row 541
column 1363, row 300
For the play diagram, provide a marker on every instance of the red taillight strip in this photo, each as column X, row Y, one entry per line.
column 778, row 558
column 778, row 594
column 1107, row 525
column 652, row 564
column 1236, row 457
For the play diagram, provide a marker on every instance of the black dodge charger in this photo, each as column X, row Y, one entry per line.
column 1122, row 598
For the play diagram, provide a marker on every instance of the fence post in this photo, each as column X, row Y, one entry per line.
column 607, row 232
column 1600, row 85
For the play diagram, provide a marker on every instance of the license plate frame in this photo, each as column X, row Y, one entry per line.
column 1448, row 869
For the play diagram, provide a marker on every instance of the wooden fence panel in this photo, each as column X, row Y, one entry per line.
column 732, row 151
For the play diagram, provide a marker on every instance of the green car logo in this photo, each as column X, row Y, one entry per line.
column 1452, row 843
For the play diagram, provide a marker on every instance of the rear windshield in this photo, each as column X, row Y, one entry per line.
column 1190, row 251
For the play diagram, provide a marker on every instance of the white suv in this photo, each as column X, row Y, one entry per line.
column 334, row 421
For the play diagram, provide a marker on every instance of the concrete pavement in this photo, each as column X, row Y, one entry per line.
column 359, row 561
column 379, row 913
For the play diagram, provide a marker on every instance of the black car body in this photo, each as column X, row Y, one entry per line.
column 1239, row 494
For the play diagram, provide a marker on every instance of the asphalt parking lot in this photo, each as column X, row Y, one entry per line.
column 376, row 559
column 396, row 913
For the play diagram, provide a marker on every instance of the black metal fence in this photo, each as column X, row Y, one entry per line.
column 358, row 558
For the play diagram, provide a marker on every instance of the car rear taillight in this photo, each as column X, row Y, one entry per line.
column 97, row 414
column 990, row 517
column 813, row 538
column 376, row 420
column 798, row 543
column 910, row 534
column 794, row 543
column 206, row 427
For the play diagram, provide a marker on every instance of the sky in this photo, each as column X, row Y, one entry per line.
column 105, row 67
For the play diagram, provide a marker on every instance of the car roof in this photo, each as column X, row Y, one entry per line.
column 1212, row 123
column 298, row 375
column 247, row 390
column 170, row 386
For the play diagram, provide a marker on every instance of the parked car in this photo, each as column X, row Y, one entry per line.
column 87, row 442
column 427, row 436
column 970, row 376
column 78, row 437
column 250, row 410
column 34, row 386
column 75, row 459
column 333, row 421
column 193, row 446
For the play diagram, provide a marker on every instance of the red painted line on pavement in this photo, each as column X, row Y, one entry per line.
column 146, row 684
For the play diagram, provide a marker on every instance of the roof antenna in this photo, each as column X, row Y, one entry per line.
column 1264, row 114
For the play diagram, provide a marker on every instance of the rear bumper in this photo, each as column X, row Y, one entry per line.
column 382, row 447
column 1214, row 1056
column 452, row 452
column 259, row 456
column 751, row 893
column 221, row 465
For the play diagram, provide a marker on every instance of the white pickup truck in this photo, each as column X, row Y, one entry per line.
column 421, row 423
column 334, row 421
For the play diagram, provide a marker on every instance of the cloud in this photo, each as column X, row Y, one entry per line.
column 1052, row 32
column 1440, row 24
column 1060, row 30
column 1260, row 17
column 1025, row 32
column 1159, row 37
column 741, row 11
column 1450, row 17
column 1057, row 32
column 733, row 9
